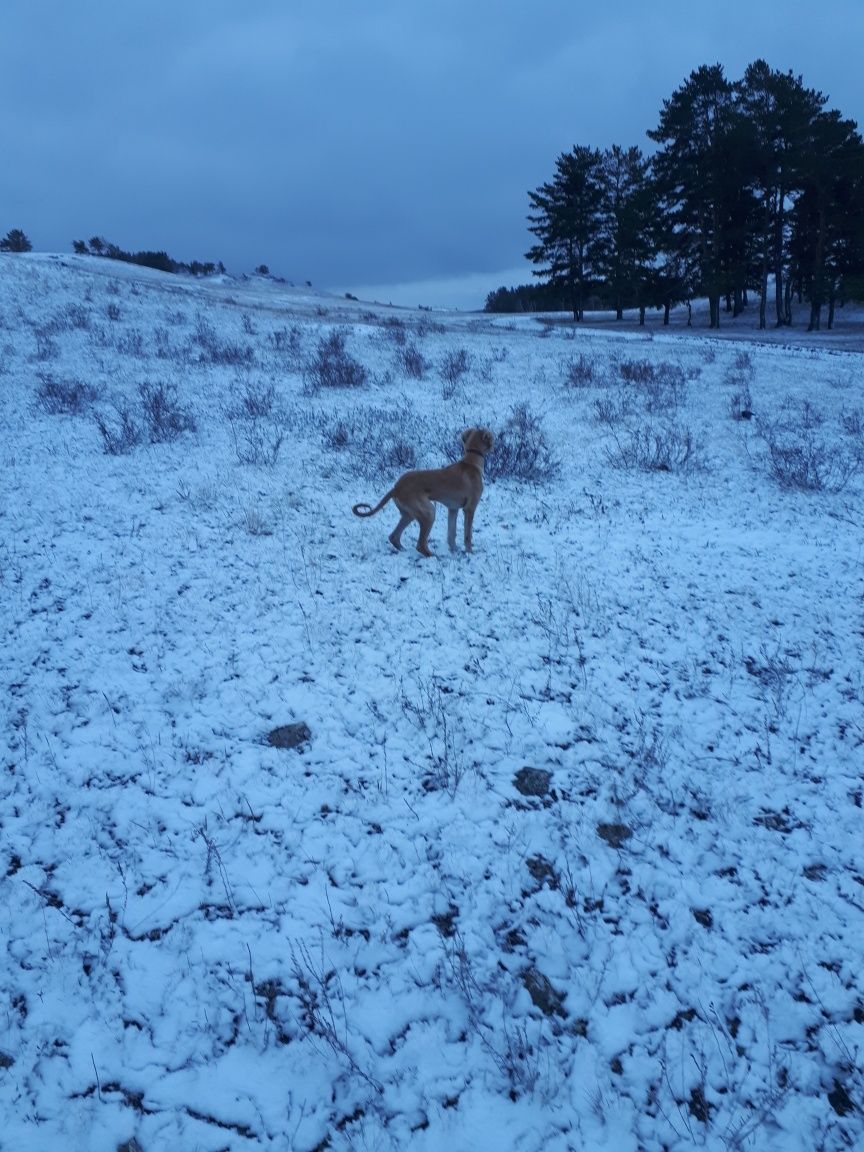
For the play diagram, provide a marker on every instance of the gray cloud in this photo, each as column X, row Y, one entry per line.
column 351, row 142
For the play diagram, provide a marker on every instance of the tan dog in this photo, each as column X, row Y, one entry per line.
column 457, row 486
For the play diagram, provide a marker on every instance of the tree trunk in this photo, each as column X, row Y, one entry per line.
column 817, row 281
column 738, row 302
column 714, row 310
column 787, row 302
column 782, row 310
column 763, row 295
column 641, row 315
column 667, row 307
column 831, row 300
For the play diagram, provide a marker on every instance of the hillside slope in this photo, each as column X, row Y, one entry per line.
column 570, row 855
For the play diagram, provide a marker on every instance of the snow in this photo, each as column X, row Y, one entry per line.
column 207, row 942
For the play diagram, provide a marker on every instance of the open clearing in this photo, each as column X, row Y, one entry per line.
column 569, row 853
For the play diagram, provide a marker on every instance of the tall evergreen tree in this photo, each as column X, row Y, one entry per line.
column 622, row 252
column 695, row 168
column 566, row 221
column 826, row 220
column 780, row 111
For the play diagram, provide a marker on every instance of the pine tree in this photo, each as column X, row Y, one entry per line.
column 622, row 252
column 780, row 111
column 566, row 221
column 826, row 224
column 696, row 172
column 15, row 240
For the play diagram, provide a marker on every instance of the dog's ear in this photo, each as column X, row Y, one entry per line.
column 465, row 435
column 488, row 439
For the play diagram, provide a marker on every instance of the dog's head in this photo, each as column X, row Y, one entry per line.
column 477, row 440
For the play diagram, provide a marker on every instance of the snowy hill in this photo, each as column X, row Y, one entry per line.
column 569, row 853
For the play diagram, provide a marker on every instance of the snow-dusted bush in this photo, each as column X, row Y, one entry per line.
column 131, row 343
column 46, row 345
column 64, row 397
column 212, row 349
column 580, row 372
column 801, row 453
column 454, row 365
column 741, row 404
column 333, row 366
column 654, row 447
column 259, row 423
column 611, row 409
column 521, row 451
column 159, row 418
column 411, row 361
column 380, row 442
column 165, row 417
column 121, row 433
column 290, row 345
column 661, row 387
column 70, row 318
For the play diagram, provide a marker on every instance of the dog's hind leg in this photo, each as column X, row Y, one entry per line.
column 395, row 537
column 426, row 516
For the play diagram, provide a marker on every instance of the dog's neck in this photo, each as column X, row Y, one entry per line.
column 476, row 452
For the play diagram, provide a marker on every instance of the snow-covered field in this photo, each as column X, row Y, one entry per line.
column 571, row 856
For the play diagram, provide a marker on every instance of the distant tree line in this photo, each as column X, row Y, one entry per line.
column 753, row 183
column 98, row 246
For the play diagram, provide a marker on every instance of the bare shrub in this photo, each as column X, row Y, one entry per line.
column 393, row 330
column 120, row 434
column 412, row 361
column 667, row 447
column 258, row 442
column 661, row 387
column 580, row 372
column 427, row 326
column 212, row 349
column 113, row 311
column 333, row 366
column 69, row 318
column 802, row 455
column 743, row 362
column 453, row 367
column 46, row 345
column 256, row 401
column 64, row 397
column 522, row 451
column 380, row 442
column 741, row 404
column 162, row 345
column 611, row 410
column 166, row 419
column 259, row 423
column 288, row 342
column 131, row 343
column 432, row 712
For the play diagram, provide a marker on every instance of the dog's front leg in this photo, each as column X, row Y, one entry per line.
column 452, row 513
column 469, row 523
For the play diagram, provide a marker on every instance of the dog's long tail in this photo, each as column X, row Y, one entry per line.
column 367, row 510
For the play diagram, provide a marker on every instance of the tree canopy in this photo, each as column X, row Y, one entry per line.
column 750, row 181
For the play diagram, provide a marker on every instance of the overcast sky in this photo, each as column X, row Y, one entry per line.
column 380, row 146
